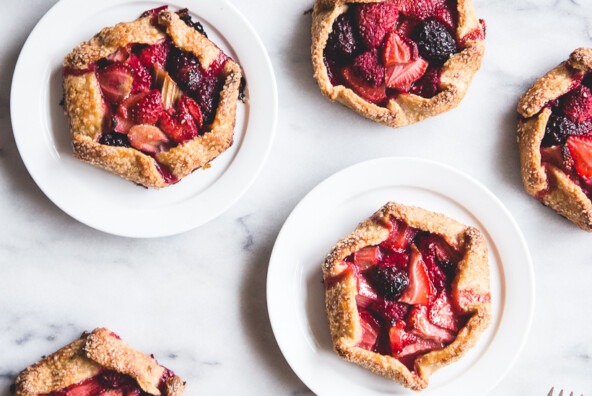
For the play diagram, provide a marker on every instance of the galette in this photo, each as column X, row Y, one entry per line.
column 98, row 364
column 407, row 293
column 555, row 138
column 396, row 62
column 151, row 100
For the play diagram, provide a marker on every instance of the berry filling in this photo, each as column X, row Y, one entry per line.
column 381, row 50
column 157, row 96
column 109, row 383
column 567, row 143
column 404, row 297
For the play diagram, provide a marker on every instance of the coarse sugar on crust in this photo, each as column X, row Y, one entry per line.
column 407, row 108
column 472, row 275
column 546, row 182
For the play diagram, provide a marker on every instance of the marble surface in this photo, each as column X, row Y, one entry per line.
column 197, row 300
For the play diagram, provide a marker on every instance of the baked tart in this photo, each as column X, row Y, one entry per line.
column 407, row 293
column 151, row 100
column 99, row 363
column 555, row 138
column 396, row 62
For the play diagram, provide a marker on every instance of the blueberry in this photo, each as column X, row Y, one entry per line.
column 434, row 41
column 389, row 282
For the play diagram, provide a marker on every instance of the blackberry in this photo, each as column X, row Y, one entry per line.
column 342, row 44
column 185, row 17
column 208, row 96
column 115, row 139
column 184, row 69
column 434, row 41
column 390, row 282
column 559, row 128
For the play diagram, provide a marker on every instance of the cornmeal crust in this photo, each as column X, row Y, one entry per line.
column 85, row 112
column 472, row 276
column 456, row 76
column 84, row 359
column 548, row 183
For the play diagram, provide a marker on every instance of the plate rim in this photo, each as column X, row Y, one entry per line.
column 273, row 316
column 265, row 141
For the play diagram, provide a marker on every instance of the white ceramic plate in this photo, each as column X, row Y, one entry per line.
column 105, row 201
column 295, row 295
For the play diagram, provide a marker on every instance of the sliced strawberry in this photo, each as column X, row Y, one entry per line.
column 154, row 55
column 439, row 257
column 362, row 88
column 400, row 237
column 475, row 35
column 370, row 330
column 366, row 294
column 147, row 138
column 119, row 56
column 367, row 257
column 405, row 28
column 580, row 148
column 194, row 110
column 120, row 124
column 185, row 118
column 405, row 73
column 87, row 388
column 124, row 109
column 552, row 155
column 420, row 347
column 421, row 326
column 462, row 298
column 112, row 392
column 169, row 126
column 420, row 290
column 577, row 105
column 400, row 338
column 180, row 126
column 116, row 82
column 142, row 77
column 147, row 110
column 375, row 20
column 399, row 49
column 442, row 314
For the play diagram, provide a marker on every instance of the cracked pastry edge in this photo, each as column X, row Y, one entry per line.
column 472, row 274
column 552, row 187
column 456, row 75
column 85, row 112
column 85, row 357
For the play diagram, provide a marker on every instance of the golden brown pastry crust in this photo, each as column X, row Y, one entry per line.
column 547, row 182
column 85, row 357
column 84, row 104
column 472, row 276
column 456, row 75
